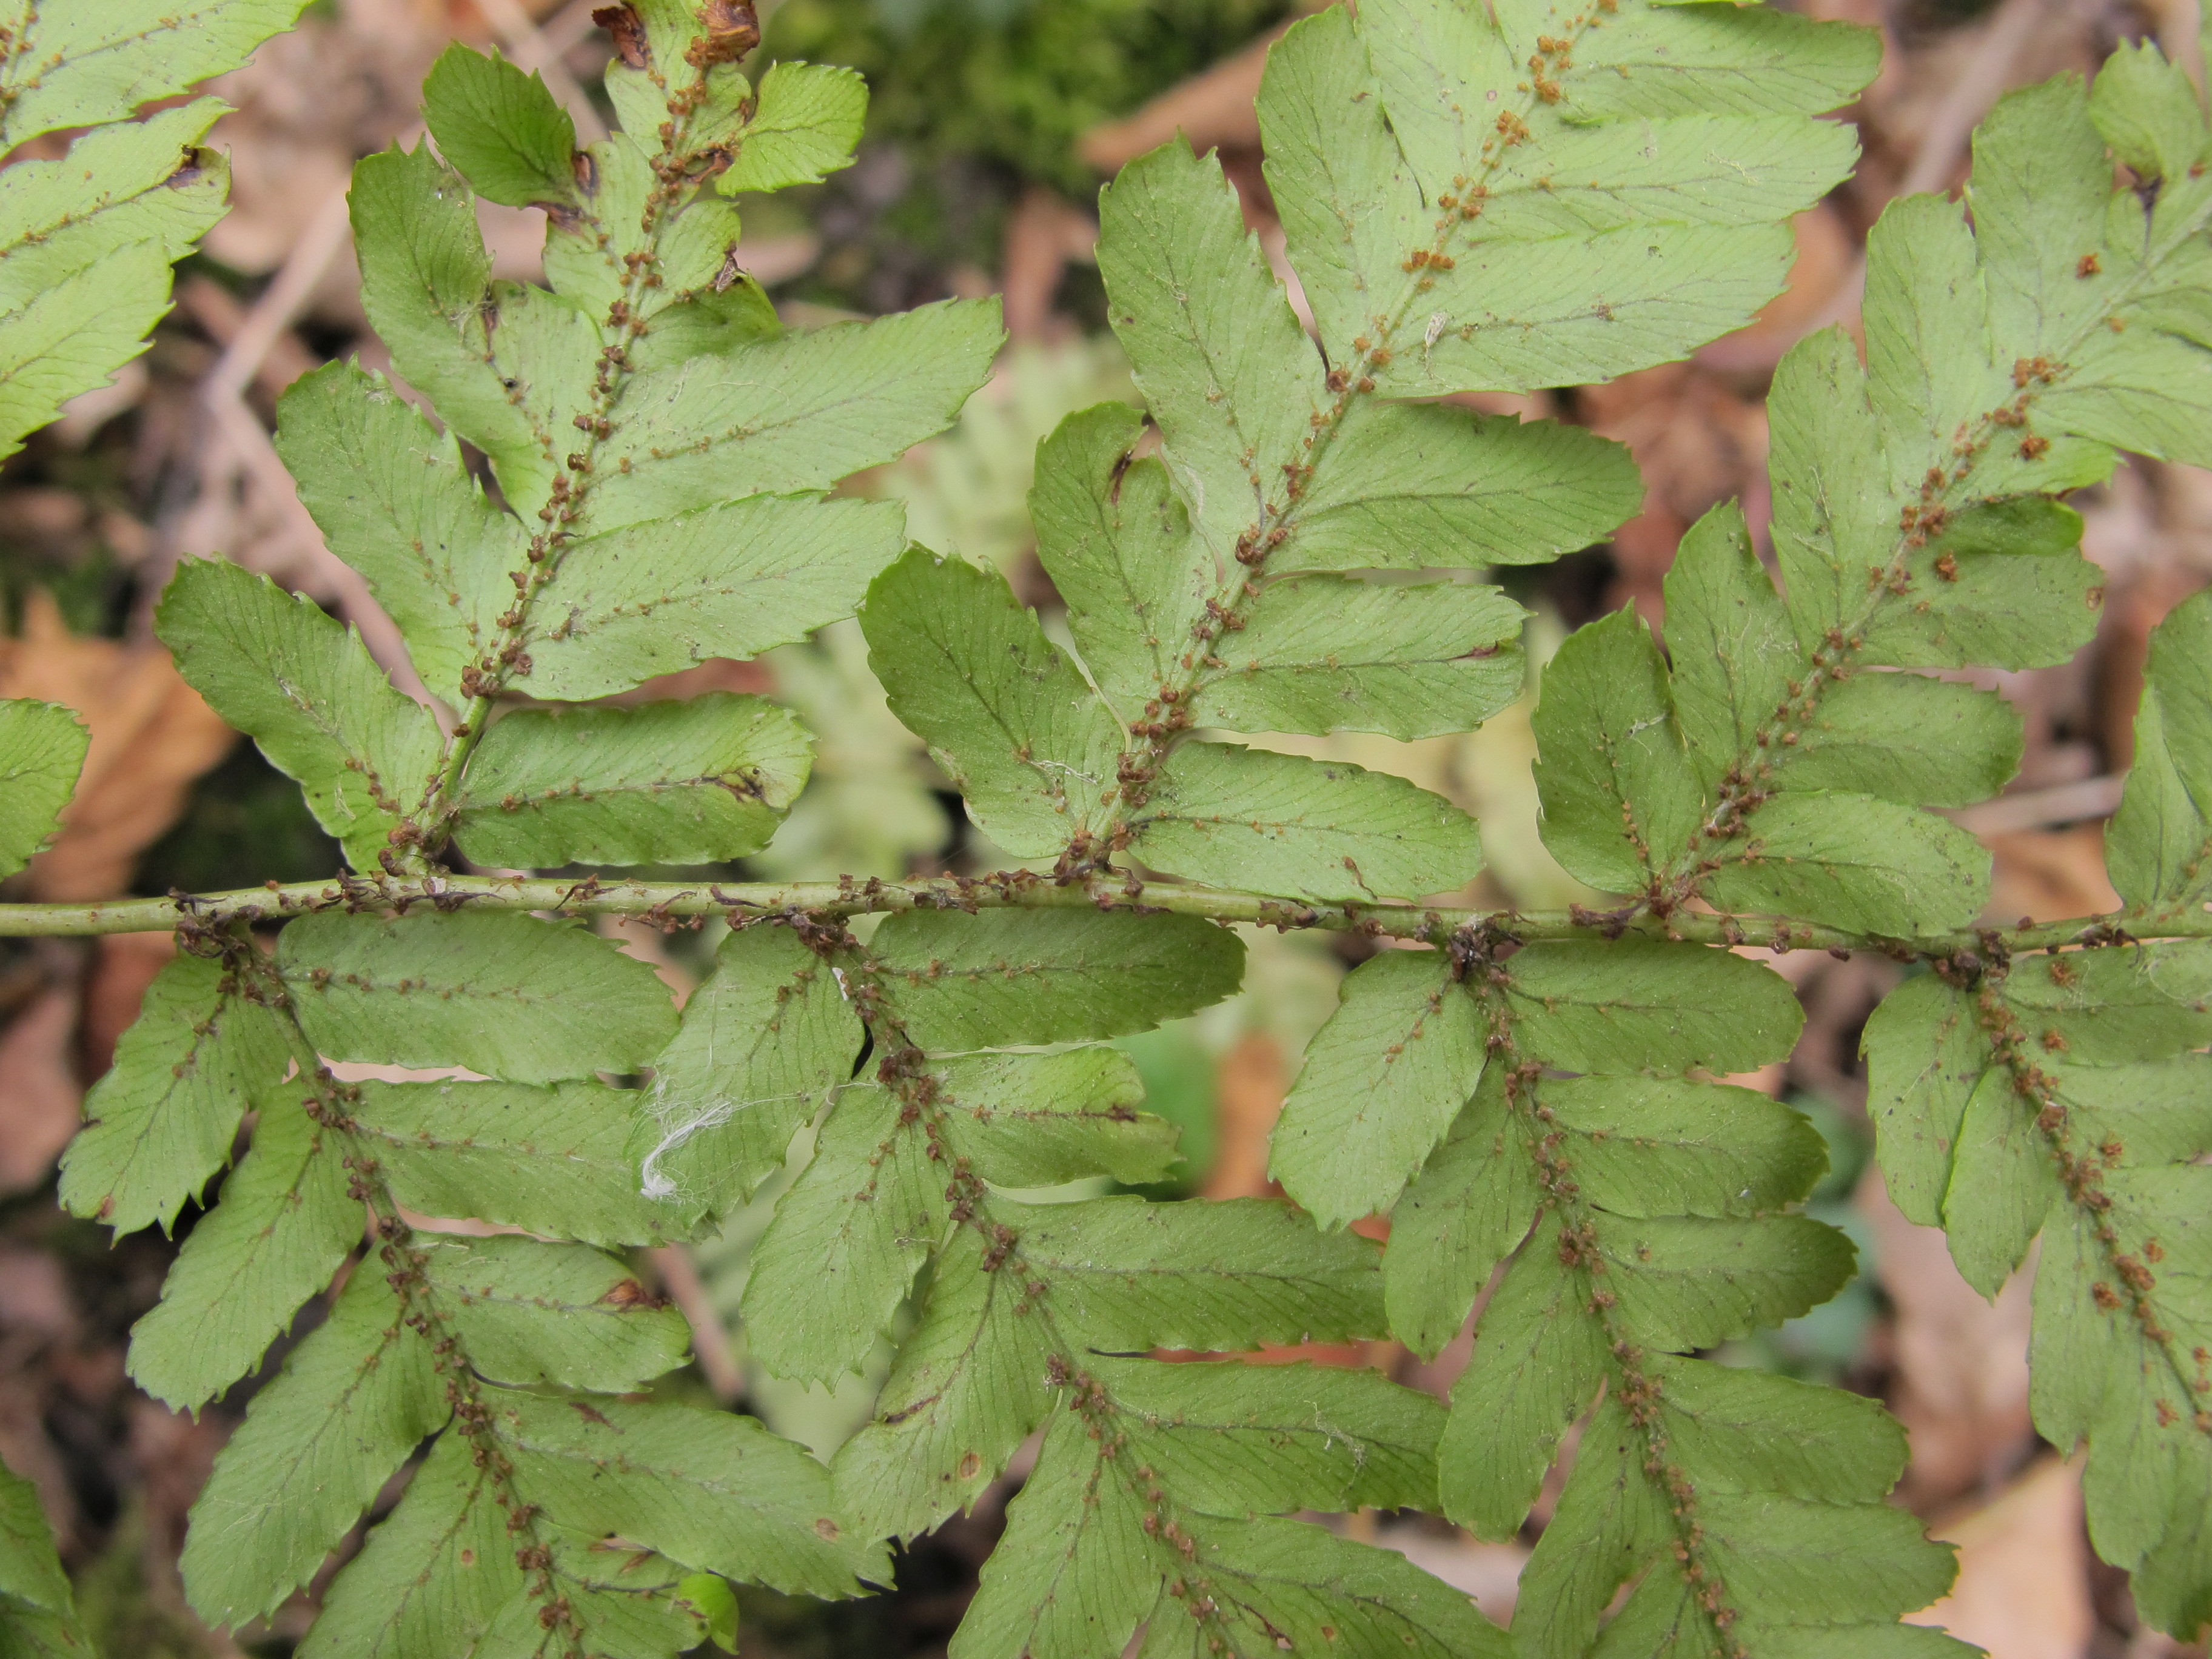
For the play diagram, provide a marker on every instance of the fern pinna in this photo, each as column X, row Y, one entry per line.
column 1476, row 197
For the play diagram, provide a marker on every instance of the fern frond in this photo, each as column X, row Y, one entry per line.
column 541, row 1521
column 2063, row 1096
column 1475, row 198
column 1917, row 526
column 1628, row 1239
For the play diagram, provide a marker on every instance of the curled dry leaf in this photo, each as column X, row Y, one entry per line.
column 732, row 30
column 627, row 29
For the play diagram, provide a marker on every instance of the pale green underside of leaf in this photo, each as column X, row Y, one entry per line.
column 1853, row 861
column 552, row 1160
column 74, row 64
column 1620, row 802
column 538, row 1315
column 1735, row 657
column 86, row 243
column 808, row 120
column 1005, row 712
column 1088, row 1557
column 692, row 783
column 1238, row 1439
column 506, row 367
column 303, row 686
column 846, row 1241
column 1785, row 1552
column 42, row 750
column 1229, row 817
column 1003, row 978
column 494, row 991
column 1039, row 1120
column 763, row 1042
column 1126, row 1275
column 2099, row 1155
column 1470, row 1206
column 1116, row 541
column 432, row 1575
column 1220, row 359
column 71, row 336
column 393, row 501
column 2157, row 844
column 1475, row 195
column 1656, row 1146
column 1328, row 654
column 797, row 413
column 712, row 1490
column 1420, row 486
column 283, row 1226
column 967, row 1388
column 731, row 579
column 319, row 1440
column 1645, row 1240
column 1381, row 1082
column 161, row 1120
column 1620, row 222
column 1913, row 527
column 1405, row 486
column 1634, row 1005
column 1121, row 1275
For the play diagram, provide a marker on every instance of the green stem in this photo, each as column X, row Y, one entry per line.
column 676, row 903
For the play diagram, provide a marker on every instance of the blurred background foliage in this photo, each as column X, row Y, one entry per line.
column 970, row 100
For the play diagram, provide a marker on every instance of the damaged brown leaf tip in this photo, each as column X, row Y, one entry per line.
column 628, row 31
column 732, row 30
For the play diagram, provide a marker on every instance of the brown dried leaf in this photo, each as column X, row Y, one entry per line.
column 151, row 737
column 732, row 30
column 124, row 966
column 628, row 32
column 1253, row 1079
column 2048, row 875
column 40, row 1094
column 1827, row 252
column 1961, row 1388
column 2023, row 1586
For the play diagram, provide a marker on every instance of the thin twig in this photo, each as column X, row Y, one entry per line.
column 2042, row 809
column 295, row 283
column 710, row 1342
